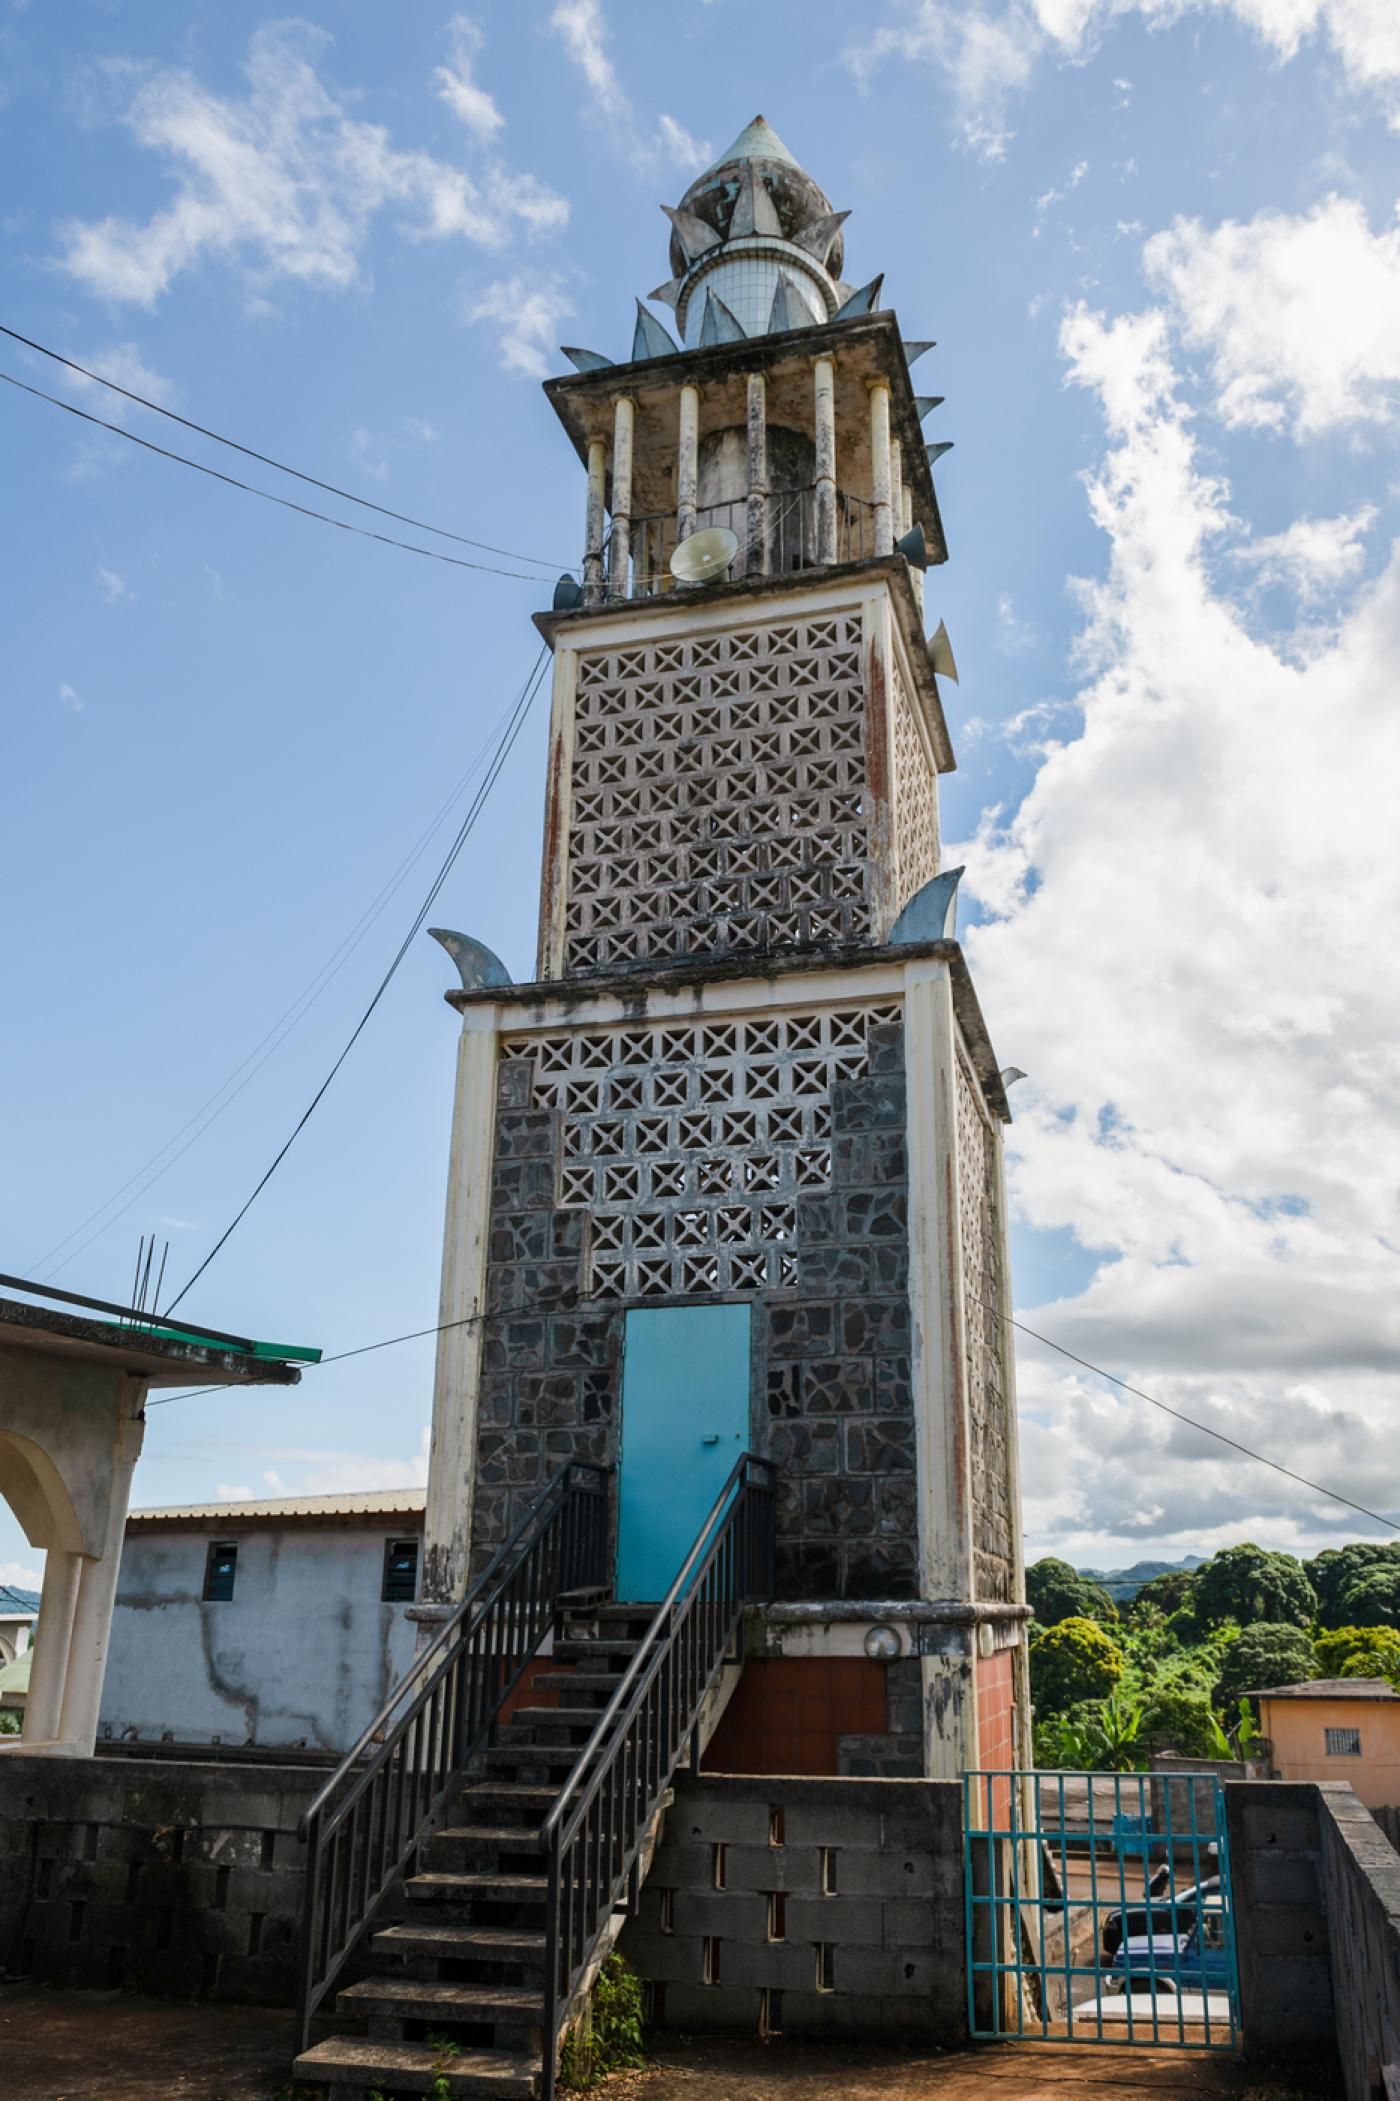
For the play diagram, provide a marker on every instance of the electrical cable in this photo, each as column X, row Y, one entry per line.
column 1249, row 1453
column 512, row 730
column 275, row 1037
column 264, row 458
column 363, row 532
column 1189, row 1420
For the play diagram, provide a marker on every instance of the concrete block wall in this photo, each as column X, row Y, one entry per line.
column 1281, row 1927
column 182, row 1881
column 1360, row 1874
column 807, row 1907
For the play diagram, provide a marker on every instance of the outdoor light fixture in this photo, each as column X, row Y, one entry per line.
column 883, row 1645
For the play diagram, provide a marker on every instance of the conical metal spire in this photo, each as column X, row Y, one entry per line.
column 757, row 141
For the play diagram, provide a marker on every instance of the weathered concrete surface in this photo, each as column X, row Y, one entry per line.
column 100, row 2046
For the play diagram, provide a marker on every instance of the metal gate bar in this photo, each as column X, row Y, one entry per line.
column 1098, row 1909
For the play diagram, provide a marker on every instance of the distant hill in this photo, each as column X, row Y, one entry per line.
column 12, row 1600
column 1123, row 1584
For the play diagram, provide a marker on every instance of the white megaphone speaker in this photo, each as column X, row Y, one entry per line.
column 703, row 557
column 940, row 654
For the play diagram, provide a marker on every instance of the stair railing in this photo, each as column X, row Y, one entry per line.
column 594, row 1834
column 383, row 1798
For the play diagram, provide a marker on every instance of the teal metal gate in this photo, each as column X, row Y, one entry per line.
column 1098, row 1909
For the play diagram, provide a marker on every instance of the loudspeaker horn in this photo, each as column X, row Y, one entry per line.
column 568, row 593
column 704, row 556
column 940, row 654
column 912, row 547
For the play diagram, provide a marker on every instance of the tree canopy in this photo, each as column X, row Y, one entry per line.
column 1359, row 1652
column 1337, row 1572
column 1072, row 1661
column 1166, row 1593
column 1271, row 1653
column 1248, row 1584
column 1057, row 1592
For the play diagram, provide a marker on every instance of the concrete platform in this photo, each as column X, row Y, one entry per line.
column 110, row 2046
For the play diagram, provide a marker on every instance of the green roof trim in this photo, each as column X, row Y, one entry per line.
column 263, row 1352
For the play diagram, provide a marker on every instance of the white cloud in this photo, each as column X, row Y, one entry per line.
column 18, row 1573
column 1186, row 951
column 126, row 367
column 1312, row 556
column 582, row 28
column 70, row 700
column 283, row 182
column 527, row 313
column 465, row 97
column 112, row 586
column 233, row 1492
column 989, row 50
column 1300, row 315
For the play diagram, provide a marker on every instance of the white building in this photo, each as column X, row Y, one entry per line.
column 279, row 1623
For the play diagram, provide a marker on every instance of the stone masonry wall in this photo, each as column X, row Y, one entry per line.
column 759, row 1159
column 988, row 1387
column 181, row 1881
column 807, row 1908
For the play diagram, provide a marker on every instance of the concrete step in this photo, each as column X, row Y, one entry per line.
column 443, row 1886
column 580, row 1648
column 412, row 2068
column 433, row 1999
column 526, row 1759
column 551, row 1718
column 578, row 1681
column 506, row 1944
column 487, row 1838
column 509, row 1794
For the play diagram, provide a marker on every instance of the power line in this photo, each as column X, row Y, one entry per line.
column 275, row 1037
column 1190, row 1420
column 1098, row 1370
column 363, row 532
column 512, row 730
column 264, row 458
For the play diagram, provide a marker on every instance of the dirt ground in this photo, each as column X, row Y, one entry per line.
column 100, row 2046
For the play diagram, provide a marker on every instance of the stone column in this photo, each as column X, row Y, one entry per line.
column 97, row 1590
column 461, row 1304
column 824, row 433
column 624, row 419
column 896, row 487
column 53, row 1637
column 756, row 562
column 939, row 1362
column 593, row 522
column 687, row 461
column 880, row 465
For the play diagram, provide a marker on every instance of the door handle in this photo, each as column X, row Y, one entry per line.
column 713, row 1438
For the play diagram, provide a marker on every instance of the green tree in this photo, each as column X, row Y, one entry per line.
column 1179, row 1718
column 1166, row 1594
column 1359, row 1652
column 1272, row 1653
column 1071, row 1662
column 1247, row 1584
column 1057, row 1592
column 1336, row 1571
column 1374, row 1601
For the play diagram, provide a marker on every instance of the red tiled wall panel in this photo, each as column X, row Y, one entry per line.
column 787, row 1713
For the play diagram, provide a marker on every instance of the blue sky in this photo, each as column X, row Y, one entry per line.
column 1157, row 245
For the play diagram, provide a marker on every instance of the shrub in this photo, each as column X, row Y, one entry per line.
column 609, row 2039
column 1179, row 1718
column 1072, row 1662
column 1359, row 1652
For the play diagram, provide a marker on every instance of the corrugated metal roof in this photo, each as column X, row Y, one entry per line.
column 370, row 1502
column 1330, row 1689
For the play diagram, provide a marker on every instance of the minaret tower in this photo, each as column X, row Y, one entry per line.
column 727, row 1175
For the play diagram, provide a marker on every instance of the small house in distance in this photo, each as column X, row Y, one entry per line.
column 1336, row 1729
column 279, row 1623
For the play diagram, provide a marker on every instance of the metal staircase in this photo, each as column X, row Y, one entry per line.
column 521, row 1845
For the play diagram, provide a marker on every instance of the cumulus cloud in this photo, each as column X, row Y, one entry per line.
column 988, row 50
column 1312, row 556
column 582, row 29
column 284, row 181
column 1181, row 948
column 527, row 313
column 1299, row 315
column 19, row 1572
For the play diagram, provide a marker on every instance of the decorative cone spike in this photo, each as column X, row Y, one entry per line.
column 650, row 338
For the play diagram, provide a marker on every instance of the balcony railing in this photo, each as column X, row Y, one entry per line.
column 788, row 542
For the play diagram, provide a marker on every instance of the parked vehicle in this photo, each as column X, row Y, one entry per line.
column 1160, row 1916
column 1189, row 1959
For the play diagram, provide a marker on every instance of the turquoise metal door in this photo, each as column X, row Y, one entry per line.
column 685, row 1420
